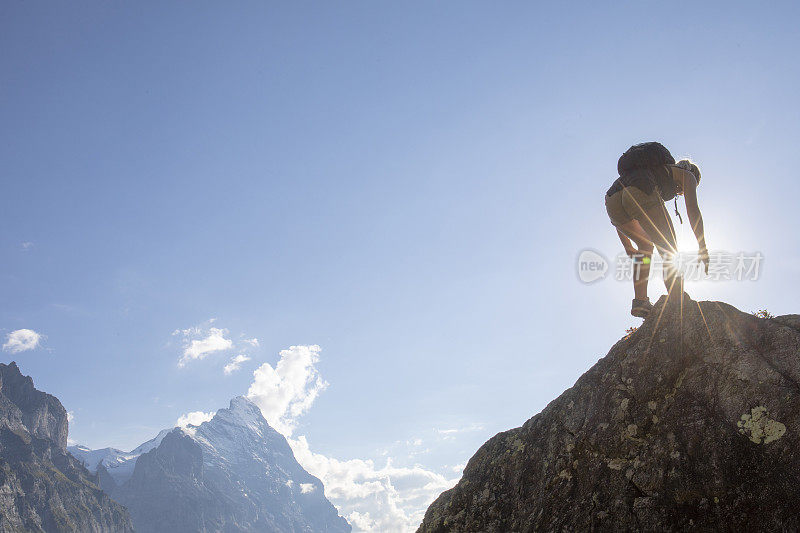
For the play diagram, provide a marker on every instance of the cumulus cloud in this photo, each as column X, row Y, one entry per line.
column 384, row 498
column 213, row 341
column 195, row 418
column 22, row 340
column 205, row 339
column 306, row 488
column 372, row 498
column 235, row 363
column 287, row 391
column 200, row 341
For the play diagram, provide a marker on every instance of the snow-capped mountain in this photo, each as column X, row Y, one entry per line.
column 118, row 464
column 232, row 473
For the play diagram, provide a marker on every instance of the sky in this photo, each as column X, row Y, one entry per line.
column 365, row 215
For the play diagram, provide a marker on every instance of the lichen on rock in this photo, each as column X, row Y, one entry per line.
column 759, row 427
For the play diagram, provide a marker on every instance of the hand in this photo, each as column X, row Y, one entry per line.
column 702, row 254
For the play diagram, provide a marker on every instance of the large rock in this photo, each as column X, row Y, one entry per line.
column 692, row 422
column 42, row 487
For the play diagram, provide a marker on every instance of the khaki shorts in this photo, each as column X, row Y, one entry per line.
column 631, row 203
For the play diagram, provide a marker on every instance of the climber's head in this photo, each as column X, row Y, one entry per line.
column 686, row 164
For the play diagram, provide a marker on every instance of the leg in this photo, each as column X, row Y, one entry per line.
column 658, row 225
column 641, row 272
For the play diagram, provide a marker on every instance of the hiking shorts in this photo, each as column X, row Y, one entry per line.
column 631, row 203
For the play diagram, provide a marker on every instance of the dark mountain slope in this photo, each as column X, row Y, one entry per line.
column 42, row 487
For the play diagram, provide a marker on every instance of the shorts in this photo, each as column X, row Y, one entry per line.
column 631, row 203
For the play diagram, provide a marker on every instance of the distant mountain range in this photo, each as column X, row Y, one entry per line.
column 232, row 473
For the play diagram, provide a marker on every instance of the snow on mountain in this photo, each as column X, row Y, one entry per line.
column 117, row 463
column 231, row 473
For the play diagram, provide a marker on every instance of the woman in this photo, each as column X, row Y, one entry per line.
column 635, row 205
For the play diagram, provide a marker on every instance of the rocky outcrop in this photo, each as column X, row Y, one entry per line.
column 232, row 473
column 42, row 487
column 690, row 423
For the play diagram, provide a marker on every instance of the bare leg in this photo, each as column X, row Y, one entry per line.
column 658, row 225
column 641, row 272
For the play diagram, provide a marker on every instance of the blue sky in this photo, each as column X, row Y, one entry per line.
column 406, row 185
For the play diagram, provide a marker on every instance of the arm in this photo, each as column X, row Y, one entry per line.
column 689, row 185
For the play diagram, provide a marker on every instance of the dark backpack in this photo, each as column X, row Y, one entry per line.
column 644, row 156
column 644, row 166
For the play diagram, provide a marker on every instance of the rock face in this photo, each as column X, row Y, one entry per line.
column 692, row 422
column 232, row 473
column 42, row 487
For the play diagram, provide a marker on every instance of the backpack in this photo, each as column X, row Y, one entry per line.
column 644, row 156
column 642, row 165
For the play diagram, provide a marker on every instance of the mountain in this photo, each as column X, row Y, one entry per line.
column 42, row 487
column 116, row 464
column 232, row 473
column 690, row 423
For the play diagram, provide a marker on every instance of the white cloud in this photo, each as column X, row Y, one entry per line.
column 195, row 418
column 70, row 416
column 306, row 488
column 26, row 246
column 22, row 340
column 388, row 498
column 235, row 363
column 372, row 498
column 287, row 391
column 205, row 339
column 200, row 341
column 449, row 434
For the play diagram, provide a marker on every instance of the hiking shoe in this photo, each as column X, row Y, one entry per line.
column 641, row 308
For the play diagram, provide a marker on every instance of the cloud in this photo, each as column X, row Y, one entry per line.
column 70, row 416
column 235, row 364
column 287, row 391
column 201, row 341
column 205, row 339
column 387, row 498
column 26, row 246
column 305, row 488
column 22, row 340
column 372, row 498
column 195, row 418
column 449, row 434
